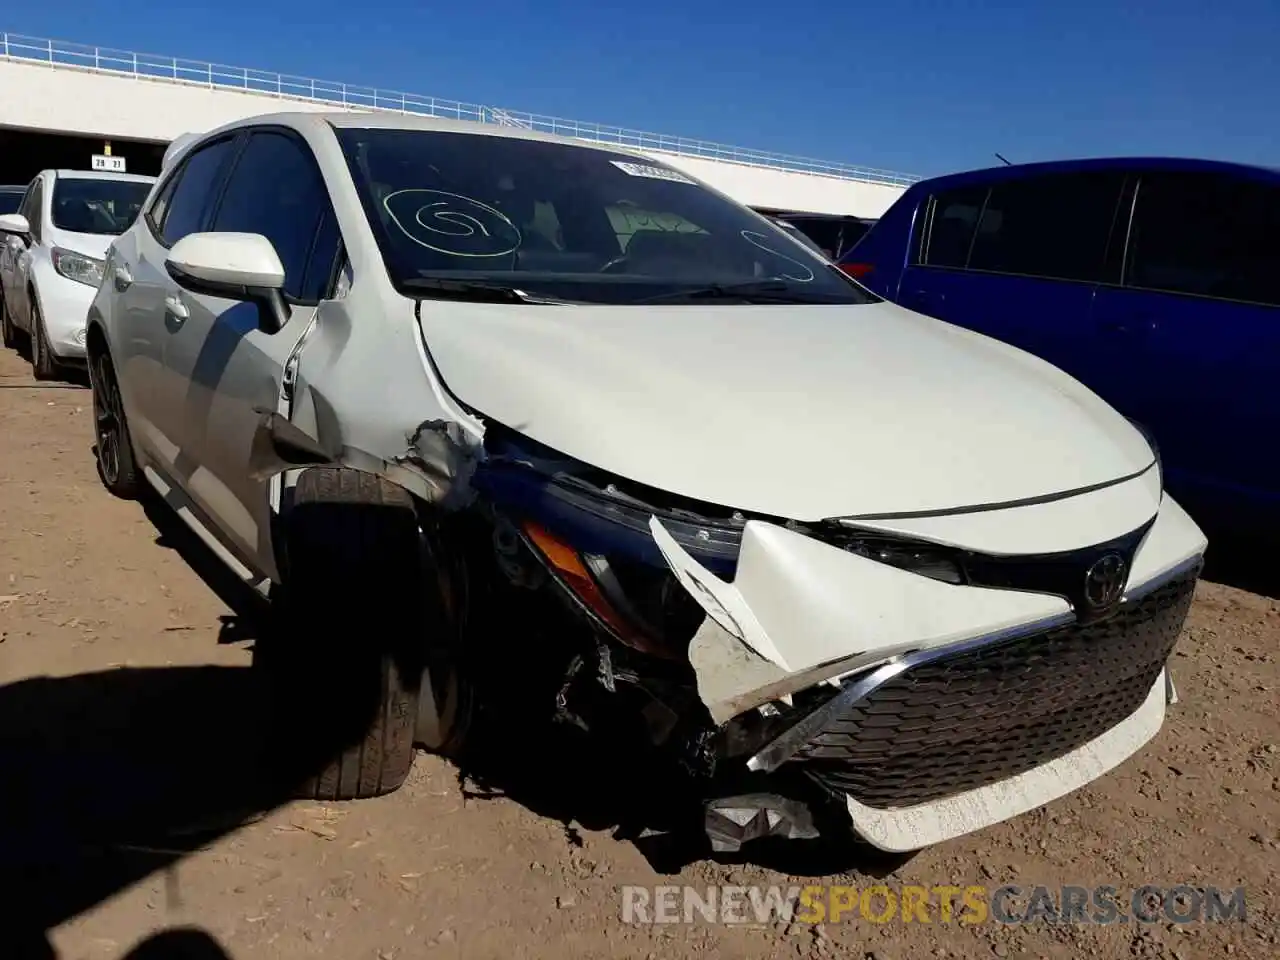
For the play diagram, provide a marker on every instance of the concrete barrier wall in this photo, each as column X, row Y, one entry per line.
column 68, row 100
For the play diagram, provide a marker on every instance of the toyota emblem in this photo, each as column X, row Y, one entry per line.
column 1104, row 583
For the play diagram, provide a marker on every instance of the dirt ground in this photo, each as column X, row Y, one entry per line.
column 124, row 691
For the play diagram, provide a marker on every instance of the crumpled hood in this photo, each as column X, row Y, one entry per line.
column 803, row 412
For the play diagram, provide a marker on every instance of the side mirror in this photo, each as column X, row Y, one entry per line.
column 17, row 225
column 234, row 266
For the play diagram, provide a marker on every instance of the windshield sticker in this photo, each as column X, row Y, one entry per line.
column 452, row 224
column 653, row 173
column 760, row 239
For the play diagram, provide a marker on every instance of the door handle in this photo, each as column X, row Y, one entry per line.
column 174, row 307
column 122, row 278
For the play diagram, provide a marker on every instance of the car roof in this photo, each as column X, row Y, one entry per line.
column 101, row 175
column 1085, row 164
column 12, row 188
column 307, row 121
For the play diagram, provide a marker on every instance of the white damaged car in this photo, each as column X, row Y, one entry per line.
column 421, row 377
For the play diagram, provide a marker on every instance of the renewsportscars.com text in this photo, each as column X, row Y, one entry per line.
column 941, row 904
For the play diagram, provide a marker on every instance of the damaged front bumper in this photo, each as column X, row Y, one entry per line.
column 924, row 690
column 953, row 708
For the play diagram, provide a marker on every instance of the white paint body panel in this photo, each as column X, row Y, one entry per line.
column 801, row 606
column 801, row 603
column 244, row 259
column 801, row 412
column 1053, row 527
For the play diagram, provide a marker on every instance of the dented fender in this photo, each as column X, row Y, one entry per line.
column 347, row 400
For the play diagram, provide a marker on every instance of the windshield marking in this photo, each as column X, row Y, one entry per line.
column 462, row 233
column 750, row 236
column 652, row 172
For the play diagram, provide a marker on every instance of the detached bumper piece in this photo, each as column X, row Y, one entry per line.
column 733, row 821
column 955, row 724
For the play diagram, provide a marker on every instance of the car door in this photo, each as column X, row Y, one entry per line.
column 19, row 292
column 10, row 246
column 144, row 297
column 1020, row 260
column 1197, row 326
column 224, row 373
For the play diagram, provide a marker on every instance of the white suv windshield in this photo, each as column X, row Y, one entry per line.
column 569, row 222
column 94, row 205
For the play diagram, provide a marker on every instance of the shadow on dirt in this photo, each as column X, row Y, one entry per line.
column 176, row 943
column 251, row 614
column 590, row 782
column 111, row 776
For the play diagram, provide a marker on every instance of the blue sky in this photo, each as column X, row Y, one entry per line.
column 914, row 86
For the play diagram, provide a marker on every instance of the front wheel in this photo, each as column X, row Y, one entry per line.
column 44, row 364
column 8, row 332
column 362, row 646
column 114, row 448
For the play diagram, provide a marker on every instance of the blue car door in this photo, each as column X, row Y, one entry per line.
column 1020, row 261
column 1196, row 327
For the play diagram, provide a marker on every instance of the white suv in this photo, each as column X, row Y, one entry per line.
column 51, row 258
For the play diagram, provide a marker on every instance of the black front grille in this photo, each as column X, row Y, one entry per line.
column 961, row 722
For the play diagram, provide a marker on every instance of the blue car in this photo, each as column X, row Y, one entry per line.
column 1156, row 282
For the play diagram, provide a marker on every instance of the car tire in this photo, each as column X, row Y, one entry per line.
column 113, row 447
column 8, row 332
column 360, row 625
column 44, row 364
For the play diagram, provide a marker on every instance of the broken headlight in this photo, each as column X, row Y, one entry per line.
column 597, row 513
column 712, row 542
column 594, row 537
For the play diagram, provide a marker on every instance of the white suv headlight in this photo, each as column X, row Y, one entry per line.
column 78, row 267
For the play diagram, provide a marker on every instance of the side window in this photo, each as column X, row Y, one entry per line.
column 1207, row 235
column 35, row 210
column 276, row 190
column 155, row 215
column 188, row 205
column 1054, row 226
column 24, row 207
column 322, row 262
column 955, row 216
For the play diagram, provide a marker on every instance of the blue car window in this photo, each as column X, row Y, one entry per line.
column 1053, row 226
column 1207, row 235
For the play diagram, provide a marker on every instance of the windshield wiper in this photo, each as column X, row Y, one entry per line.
column 772, row 291
column 482, row 291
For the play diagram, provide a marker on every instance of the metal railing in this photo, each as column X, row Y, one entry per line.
column 350, row 97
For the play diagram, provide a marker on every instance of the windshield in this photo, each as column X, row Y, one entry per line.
column 569, row 222
column 10, row 201
column 798, row 234
column 85, row 205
